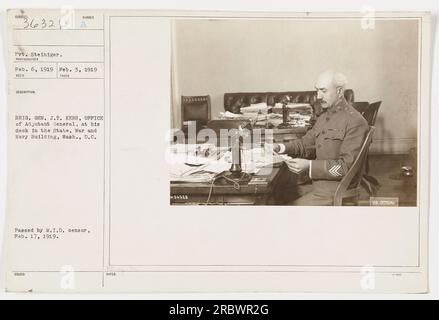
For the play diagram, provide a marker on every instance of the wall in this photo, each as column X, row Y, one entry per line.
column 217, row 56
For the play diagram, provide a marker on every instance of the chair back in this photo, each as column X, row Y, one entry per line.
column 361, row 106
column 371, row 113
column 195, row 108
column 349, row 96
column 349, row 185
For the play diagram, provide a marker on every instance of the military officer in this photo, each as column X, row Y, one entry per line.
column 328, row 150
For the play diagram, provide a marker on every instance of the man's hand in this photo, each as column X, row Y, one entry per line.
column 273, row 148
column 276, row 147
column 298, row 164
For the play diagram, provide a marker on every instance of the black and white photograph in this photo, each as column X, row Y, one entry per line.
column 295, row 111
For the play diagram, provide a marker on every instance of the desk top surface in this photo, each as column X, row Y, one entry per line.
column 229, row 124
column 261, row 183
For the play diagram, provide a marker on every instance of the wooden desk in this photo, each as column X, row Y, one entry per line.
column 279, row 135
column 263, row 189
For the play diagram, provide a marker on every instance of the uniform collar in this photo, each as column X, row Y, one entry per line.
column 338, row 106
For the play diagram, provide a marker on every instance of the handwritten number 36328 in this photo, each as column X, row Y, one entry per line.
column 33, row 24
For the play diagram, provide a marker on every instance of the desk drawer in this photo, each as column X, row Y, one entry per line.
column 201, row 199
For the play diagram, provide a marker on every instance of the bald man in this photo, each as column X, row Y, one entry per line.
column 328, row 150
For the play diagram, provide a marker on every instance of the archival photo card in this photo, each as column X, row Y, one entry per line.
column 168, row 151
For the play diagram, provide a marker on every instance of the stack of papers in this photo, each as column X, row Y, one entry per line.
column 196, row 177
column 230, row 115
column 180, row 169
column 187, row 160
column 187, row 168
column 299, row 120
column 296, row 107
column 299, row 114
column 217, row 166
column 256, row 108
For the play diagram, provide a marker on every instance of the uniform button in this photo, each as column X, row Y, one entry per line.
column 323, row 132
column 319, row 145
column 327, row 118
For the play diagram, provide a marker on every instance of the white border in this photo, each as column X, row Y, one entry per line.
column 256, row 6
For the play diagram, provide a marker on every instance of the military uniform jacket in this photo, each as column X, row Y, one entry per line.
column 333, row 143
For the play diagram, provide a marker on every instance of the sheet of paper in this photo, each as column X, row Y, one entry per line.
column 256, row 108
column 91, row 107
